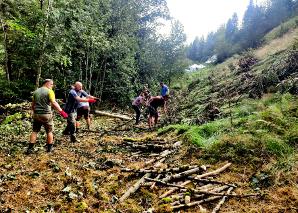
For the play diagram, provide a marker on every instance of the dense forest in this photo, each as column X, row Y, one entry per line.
column 236, row 36
column 111, row 46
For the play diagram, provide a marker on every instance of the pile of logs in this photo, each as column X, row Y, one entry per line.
column 186, row 186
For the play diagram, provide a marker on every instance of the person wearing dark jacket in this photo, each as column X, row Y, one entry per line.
column 74, row 97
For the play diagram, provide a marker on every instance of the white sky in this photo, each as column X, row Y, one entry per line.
column 202, row 16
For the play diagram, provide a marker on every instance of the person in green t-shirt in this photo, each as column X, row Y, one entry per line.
column 42, row 102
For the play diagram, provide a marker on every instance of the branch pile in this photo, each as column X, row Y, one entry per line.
column 185, row 186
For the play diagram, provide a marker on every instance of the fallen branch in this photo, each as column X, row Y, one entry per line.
column 221, row 202
column 158, row 171
column 137, row 185
column 218, row 189
column 210, row 181
column 182, row 174
column 215, row 172
column 162, row 155
column 200, row 191
column 196, row 203
column 134, row 188
column 113, row 115
column 148, row 146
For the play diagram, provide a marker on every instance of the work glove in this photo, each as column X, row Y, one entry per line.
column 63, row 114
column 91, row 100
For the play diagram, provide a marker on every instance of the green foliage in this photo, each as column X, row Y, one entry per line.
column 276, row 146
column 20, row 89
column 167, row 200
column 14, row 117
column 111, row 46
column 202, row 136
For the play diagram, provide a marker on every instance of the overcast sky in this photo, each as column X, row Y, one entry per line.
column 202, row 16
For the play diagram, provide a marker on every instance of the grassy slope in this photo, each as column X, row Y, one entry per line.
column 259, row 135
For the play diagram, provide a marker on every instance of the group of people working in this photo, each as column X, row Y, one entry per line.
column 152, row 103
column 77, row 106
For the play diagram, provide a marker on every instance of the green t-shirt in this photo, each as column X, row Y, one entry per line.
column 42, row 97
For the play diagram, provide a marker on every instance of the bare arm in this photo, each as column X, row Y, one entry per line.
column 81, row 99
column 56, row 106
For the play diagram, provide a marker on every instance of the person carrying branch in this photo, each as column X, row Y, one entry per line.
column 74, row 97
column 42, row 102
column 153, row 103
column 136, row 106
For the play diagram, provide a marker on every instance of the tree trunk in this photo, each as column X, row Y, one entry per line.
column 42, row 48
column 90, row 73
column 81, row 72
column 5, row 42
column 87, row 66
column 97, row 79
column 103, row 79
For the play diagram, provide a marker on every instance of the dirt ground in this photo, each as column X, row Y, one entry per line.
column 87, row 177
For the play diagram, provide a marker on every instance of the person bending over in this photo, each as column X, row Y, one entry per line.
column 153, row 103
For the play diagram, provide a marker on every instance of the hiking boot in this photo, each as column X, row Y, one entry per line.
column 65, row 133
column 49, row 147
column 30, row 149
column 73, row 139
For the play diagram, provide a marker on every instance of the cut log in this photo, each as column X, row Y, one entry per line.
column 210, row 181
column 216, row 190
column 187, row 199
column 113, row 115
column 158, row 171
column 196, row 203
column 137, row 185
column 182, row 174
column 221, row 202
column 148, row 146
column 134, row 188
column 215, row 172
column 162, row 155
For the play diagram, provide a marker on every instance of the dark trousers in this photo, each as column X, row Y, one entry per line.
column 71, row 123
column 138, row 113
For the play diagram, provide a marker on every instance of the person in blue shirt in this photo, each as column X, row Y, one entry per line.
column 164, row 92
column 74, row 97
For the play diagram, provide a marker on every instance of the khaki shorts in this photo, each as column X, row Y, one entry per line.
column 45, row 120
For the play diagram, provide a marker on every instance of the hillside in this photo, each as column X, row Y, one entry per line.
column 241, row 115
